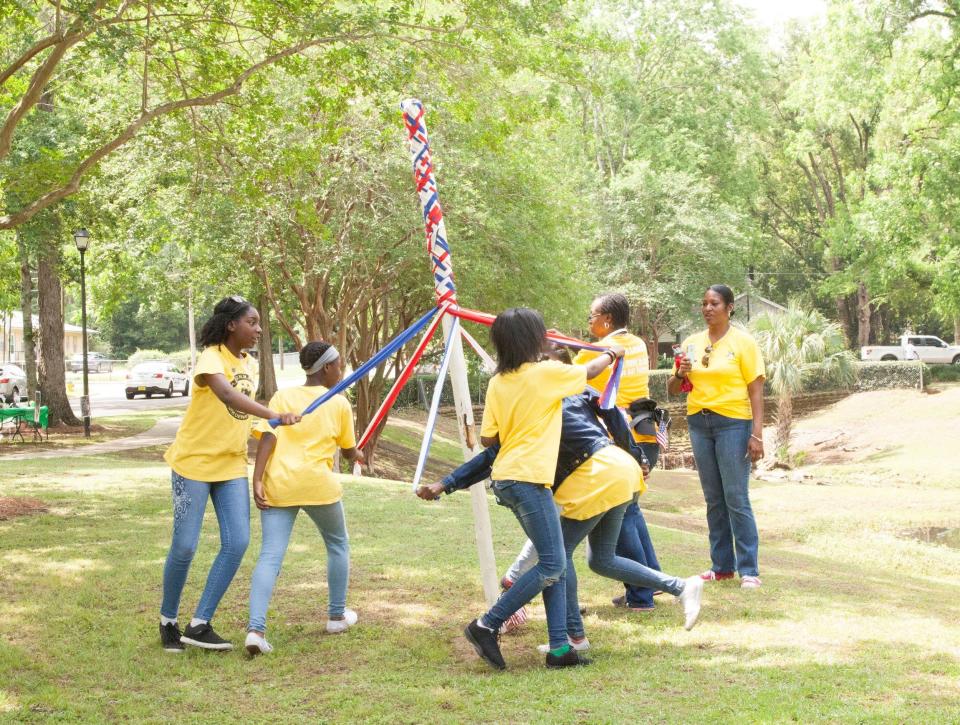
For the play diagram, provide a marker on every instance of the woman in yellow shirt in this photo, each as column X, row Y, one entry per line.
column 294, row 470
column 608, row 320
column 725, row 419
column 523, row 414
column 208, row 459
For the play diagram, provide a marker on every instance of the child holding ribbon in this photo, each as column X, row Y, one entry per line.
column 523, row 414
column 294, row 471
column 208, row 459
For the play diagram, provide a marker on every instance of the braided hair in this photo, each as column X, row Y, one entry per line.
column 311, row 352
column 617, row 306
column 227, row 310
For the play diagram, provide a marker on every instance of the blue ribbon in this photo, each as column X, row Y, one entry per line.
column 390, row 348
column 435, row 404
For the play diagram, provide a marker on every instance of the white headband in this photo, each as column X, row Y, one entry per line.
column 329, row 355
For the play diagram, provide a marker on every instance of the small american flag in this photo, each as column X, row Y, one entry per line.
column 663, row 435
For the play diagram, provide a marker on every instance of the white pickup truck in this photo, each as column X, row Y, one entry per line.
column 928, row 348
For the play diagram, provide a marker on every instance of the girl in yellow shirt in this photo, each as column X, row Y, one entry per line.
column 294, row 470
column 523, row 414
column 208, row 459
column 725, row 419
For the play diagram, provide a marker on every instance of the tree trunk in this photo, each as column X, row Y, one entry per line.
column 51, row 373
column 863, row 315
column 267, row 385
column 956, row 330
column 26, row 305
column 784, row 421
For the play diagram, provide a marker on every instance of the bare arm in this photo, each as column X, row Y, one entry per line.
column 355, row 455
column 673, row 385
column 603, row 361
column 233, row 398
column 755, row 446
column 268, row 442
column 487, row 441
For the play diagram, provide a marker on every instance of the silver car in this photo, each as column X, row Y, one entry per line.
column 157, row 378
column 13, row 383
column 97, row 362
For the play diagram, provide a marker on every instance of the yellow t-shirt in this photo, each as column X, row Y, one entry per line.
column 608, row 478
column 211, row 444
column 721, row 387
column 299, row 472
column 634, row 380
column 524, row 408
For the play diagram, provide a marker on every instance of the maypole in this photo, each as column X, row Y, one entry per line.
column 446, row 290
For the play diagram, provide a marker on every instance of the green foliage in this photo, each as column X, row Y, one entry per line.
column 140, row 356
column 133, row 325
column 801, row 342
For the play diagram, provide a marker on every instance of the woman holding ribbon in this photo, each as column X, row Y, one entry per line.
column 725, row 419
column 294, row 471
column 208, row 459
column 608, row 320
column 523, row 415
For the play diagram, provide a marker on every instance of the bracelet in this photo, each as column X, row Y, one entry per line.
column 756, row 438
column 678, row 376
column 612, row 354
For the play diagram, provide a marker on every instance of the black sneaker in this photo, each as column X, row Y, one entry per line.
column 204, row 637
column 170, row 637
column 485, row 643
column 570, row 658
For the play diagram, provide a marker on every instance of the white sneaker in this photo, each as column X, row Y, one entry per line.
column 690, row 599
column 582, row 645
column 750, row 582
column 336, row 626
column 257, row 645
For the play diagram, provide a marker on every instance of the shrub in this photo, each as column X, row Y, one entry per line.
column 941, row 373
column 181, row 358
column 144, row 355
column 887, row 375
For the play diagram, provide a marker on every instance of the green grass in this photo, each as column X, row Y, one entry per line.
column 104, row 429
column 851, row 625
column 440, row 450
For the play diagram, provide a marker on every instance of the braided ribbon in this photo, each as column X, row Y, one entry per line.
column 429, row 201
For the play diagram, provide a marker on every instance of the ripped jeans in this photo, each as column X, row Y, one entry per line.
column 231, row 501
column 534, row 508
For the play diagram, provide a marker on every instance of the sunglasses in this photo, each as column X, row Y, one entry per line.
column 238, row 299
column 706, row 356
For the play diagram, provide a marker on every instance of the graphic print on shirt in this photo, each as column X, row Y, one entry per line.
column 244, row 383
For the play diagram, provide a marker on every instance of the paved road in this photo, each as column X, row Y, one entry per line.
column 108, row 398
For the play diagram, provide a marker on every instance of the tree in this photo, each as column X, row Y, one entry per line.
column 797, row 343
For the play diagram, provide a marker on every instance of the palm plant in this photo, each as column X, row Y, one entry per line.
column 797, row 343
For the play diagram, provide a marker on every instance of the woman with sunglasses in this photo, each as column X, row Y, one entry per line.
column 608, row 320
column 725, row 419
column 208, row 459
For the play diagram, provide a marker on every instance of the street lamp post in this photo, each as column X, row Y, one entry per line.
column 82, row 239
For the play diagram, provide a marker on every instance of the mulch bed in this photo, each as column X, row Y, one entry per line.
column 20, row 506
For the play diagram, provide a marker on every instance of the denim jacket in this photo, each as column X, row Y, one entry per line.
column 581, row 436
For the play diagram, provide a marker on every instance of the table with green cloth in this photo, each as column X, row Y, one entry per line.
column 25, row 415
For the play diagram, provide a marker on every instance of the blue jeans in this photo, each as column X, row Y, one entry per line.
column 602, row 532
column 720, row 449
column 534, row 508
column 634, row 542
column 231, row 502
column 277, row 524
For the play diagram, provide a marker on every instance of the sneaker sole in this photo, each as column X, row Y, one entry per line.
column 206, row 645
column 479, row 650
column 582, row 663
column 173, row 649
column 254, row 650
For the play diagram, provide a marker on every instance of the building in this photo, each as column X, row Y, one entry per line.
column 11, row 346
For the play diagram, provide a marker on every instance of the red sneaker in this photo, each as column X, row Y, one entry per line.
column 714, row 576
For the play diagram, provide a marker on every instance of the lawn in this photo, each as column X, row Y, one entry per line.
column 106, row 428
column 854, row 623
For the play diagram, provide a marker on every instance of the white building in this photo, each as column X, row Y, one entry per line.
column 11, row 345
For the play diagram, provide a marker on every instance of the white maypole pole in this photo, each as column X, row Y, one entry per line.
column 442, row 269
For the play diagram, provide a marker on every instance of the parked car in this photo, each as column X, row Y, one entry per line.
column 13, row 383
column 157, row 377
column 929, row 349
column 97, row 362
